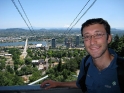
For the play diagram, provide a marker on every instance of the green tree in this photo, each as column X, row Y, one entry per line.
column 49, row 53
column 75, row 53
column 29, row 51
column 17, row 80
column 114, row 43
column 59, row 67
column 71, row 65
column 2, row 64
column 118, row 45
column 36, row 75
column 15, row 67
column 19, row 73
column 8, row 79
column 78, row 61
column 28, row 60
column 70, row 54
column 9, row 69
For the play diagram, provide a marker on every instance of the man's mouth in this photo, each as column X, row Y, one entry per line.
column 94, row 48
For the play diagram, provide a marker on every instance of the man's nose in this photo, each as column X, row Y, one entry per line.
column 92, row 39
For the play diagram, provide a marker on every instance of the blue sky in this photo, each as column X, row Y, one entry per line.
column 59, row 13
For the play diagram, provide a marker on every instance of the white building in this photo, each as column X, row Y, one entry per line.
column 38, row 45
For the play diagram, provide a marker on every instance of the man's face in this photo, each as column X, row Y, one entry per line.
column 95, row 40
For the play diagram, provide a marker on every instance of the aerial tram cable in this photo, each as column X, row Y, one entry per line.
column 22, row 16
column 77, row 15
column 82, row 16
column 25, row 14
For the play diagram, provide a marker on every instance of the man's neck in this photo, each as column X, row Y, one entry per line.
column 103, row 61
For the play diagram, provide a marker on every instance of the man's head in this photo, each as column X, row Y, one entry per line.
column 96, row 21
column 96, row 33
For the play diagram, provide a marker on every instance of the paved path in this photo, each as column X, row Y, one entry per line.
column 24, row 53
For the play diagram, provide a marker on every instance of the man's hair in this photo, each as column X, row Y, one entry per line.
column 96, row 21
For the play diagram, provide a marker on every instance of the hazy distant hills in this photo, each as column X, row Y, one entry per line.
column 114, row 31
column 49, row 29
column 13, row 29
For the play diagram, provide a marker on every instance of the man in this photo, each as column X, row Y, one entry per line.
column 102, row 72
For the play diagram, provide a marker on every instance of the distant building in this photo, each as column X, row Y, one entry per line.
column 42, row 61
column 77, row 41
column 53, row 43
column 7, row 55
column 66, row 40
column 36, row 62
column 38, row 45
column 68, row 45
column 71, row 45
column 42, row 46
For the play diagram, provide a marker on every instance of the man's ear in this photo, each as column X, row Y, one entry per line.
column 109, row 38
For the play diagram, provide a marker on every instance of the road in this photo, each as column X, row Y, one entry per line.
column 24, row 53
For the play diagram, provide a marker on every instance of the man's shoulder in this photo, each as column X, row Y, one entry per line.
column 86, row 58
column 120, row 68
column 120, row 71
column 120, row 61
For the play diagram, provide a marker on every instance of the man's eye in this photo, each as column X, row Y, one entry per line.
column 86, row 36
column 99, row 34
